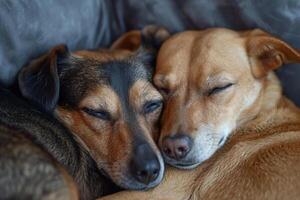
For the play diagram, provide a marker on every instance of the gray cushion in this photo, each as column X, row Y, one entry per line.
column 29, row 28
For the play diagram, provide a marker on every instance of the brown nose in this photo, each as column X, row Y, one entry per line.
column 176, row 147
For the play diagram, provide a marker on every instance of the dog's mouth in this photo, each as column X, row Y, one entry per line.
column 221, row 141
column 184, row 165
column 124, row 178
column 181, row 164
column 126, row 181
column 131, row 183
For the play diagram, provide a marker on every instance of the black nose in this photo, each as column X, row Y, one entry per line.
column 145, row 166
column 176, row 147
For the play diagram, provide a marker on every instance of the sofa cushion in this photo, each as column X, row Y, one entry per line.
column 29, row 28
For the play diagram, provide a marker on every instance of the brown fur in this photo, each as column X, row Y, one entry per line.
column 261, row 158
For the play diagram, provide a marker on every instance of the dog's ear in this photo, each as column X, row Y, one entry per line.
column 39, row 81
column 145, row 43
column 130, row 41
column 152, row 38
column 268, row 53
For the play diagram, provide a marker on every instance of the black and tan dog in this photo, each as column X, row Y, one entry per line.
column 107, row 101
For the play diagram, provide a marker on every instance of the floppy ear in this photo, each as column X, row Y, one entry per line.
column 39, row 81
column 268, row 53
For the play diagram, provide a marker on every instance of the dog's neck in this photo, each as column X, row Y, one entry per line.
column 271, row 109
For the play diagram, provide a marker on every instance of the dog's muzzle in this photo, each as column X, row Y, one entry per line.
column 176, row 149
column 145, row 166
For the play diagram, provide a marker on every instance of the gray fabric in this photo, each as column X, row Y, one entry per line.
column 28, row 28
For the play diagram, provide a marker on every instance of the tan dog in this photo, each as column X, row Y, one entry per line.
column 225, row 110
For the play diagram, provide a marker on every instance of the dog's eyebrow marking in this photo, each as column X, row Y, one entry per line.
column 101, row 97
column 142, row 91
column 122, row 76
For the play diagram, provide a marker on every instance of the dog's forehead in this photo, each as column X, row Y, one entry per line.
column 83, row 75
column 118, row 73
column 201, row 54
column 122, row 75
column 217, row 52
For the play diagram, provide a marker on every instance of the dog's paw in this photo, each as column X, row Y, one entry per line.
column 153, row 36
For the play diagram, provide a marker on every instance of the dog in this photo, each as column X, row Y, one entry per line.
column 225, row 118
column 108, row 109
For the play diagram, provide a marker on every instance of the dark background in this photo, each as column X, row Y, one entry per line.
column 28, row 28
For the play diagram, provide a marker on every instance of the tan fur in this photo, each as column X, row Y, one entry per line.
column 123, row 47
column 104, row 55
column 141, row 92
column 261, row 158
column 130, row 41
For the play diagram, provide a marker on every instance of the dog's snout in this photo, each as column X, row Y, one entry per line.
column 148, row 172
column 176, row 147
column 145, row 165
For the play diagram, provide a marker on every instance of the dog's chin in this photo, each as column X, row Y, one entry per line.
column 129, row 183
column 193, row 160
column 184, row 166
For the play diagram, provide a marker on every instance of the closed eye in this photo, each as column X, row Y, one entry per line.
column 101, row 114
column 219, row 89
column 151, row 106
